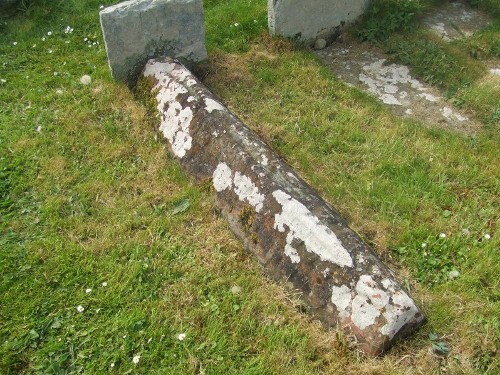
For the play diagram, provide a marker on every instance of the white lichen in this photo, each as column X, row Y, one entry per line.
column 383, row 80
column 429, row 97
column 399, row 312
column 326, row 272
column 211, row 105
column 306, row 227
column 450, row 115
column 341, row 298
column 390, row 99
column 371, row 302
column 158, row 69
column 246, row 190
column 368, row 303
column 222, row 179
column 391, row 89
column 440, row 29
column 175, row 121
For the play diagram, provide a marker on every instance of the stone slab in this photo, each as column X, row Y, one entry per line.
column 307, row 20
column 137, row 30
column 294, row 234
column 369, row 68
column 455, row 20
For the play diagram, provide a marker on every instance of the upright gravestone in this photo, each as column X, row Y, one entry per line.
column 137, row 30
column 307, row 20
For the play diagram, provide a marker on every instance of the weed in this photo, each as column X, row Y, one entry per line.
column 438, row 347
column 383, row 18
column 433, row 260
column 434, row 62
column 491, row 6
column 246, row 217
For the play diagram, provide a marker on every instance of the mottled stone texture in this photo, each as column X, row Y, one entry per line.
column 135, row 31
column 295, row 234
column 306, row 20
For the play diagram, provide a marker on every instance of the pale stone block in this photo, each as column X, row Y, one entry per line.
column 306, row 20
column 137, row 30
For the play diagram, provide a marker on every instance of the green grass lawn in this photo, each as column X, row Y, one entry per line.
column 113, row 261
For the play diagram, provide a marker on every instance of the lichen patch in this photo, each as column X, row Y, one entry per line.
column 399, row 312
column 240, row 184
column 246, row 190
column 222, row 177
column 211, row 105
column 455, row 20
column 158, row 69
column 176, row 119
column 341, row 298
column 451, row 114
column 264, row 160
column 306, row 227
column 371, row 302
column 368, row 303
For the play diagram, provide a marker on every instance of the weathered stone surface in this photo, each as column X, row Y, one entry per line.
column 370, row 68
column 306, row 20
column 135, row 31
column 296, row 235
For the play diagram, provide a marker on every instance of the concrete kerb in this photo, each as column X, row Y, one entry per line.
column 293, row 233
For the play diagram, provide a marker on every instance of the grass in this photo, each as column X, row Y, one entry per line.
column 88, row 196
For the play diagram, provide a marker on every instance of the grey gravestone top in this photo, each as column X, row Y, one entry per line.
column 137, row 30
column 308, row 20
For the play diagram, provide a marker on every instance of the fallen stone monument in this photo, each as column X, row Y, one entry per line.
column 137, row 30
column 294, row 233
column 309, row 20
